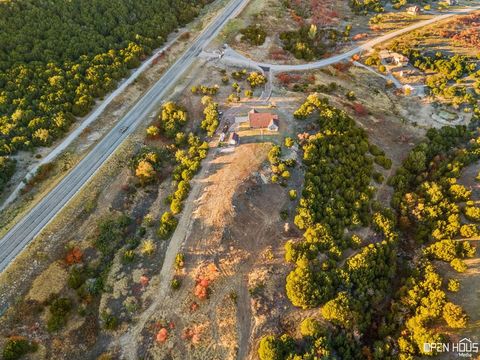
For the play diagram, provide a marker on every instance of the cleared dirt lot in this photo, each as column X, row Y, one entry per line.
column 235, row 219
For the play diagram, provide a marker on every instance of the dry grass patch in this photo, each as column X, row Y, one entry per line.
column 50, row 282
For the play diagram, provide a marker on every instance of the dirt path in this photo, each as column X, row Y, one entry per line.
column 244, row 320
column 203, row 247
column 199, row 235
column 384, row 190
column 128, row 341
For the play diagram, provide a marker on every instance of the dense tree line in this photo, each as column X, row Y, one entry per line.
column 428, row 201
column 188, row 164
column 7, row 169
column 337, row 189
column 422, row 302
column 426, row 191
column 57, row 57
column 212, row 116
column 374, row 313
column 365, row 6
column 186, row 153
column 336, row 196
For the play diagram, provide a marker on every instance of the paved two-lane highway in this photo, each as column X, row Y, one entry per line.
column 44, row 212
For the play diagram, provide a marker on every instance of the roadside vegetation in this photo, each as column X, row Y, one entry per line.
column 7, row 169
column 254, row 34
column 121, row 239
column 57, row 58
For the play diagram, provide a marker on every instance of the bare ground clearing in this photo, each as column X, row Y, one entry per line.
column 231, row 221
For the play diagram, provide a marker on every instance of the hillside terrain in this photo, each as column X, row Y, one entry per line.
column 330, row 213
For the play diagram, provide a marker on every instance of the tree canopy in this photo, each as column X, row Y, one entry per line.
column 57, row 57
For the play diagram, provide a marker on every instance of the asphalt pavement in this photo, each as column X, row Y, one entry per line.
column 47, row 208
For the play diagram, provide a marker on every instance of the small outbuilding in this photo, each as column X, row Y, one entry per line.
column 234, row 139
column 414, row 10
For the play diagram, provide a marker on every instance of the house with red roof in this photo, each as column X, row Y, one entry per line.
column 258, row 120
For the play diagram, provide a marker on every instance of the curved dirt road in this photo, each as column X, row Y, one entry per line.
column 234, row 57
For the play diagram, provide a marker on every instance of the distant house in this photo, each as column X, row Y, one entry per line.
column 452, row 2
column 414, row 10
column 259, row 120
column 389, row 57
column 399, row 59
column 222, row 137
column 409, row 90
column 234, row 139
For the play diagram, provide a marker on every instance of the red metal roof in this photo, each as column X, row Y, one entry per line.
column 261, row 120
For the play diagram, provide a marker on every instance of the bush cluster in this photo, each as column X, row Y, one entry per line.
column 254, row 34
column 309, row 42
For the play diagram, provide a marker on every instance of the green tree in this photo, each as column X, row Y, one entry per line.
column 152, row 131
column 458, row 265
column 172, row 118
column 256, row 79
column 453, row 285
column 273, row 348
column 311, row 328
column 339, row 311
column 145, row 171
column 289, row 142
column 307, row 288
column 16, row 347
column 454, row 316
